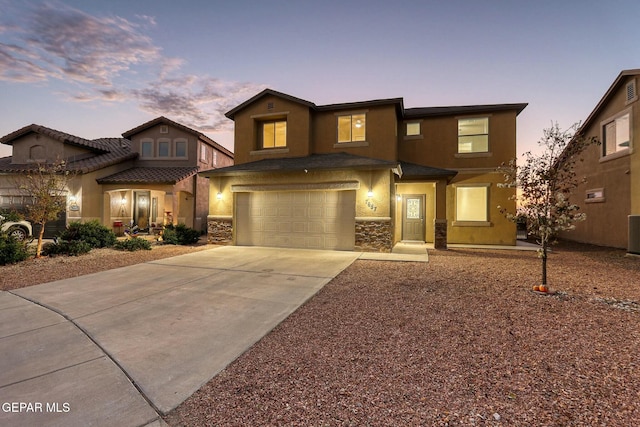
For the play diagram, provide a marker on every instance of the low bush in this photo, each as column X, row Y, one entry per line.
column 91, row 232
column 133, row 244
column 11, row 250
column 71, row 248
column 180, row 235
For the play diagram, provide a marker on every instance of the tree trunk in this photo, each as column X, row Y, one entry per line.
column 40, row 238
column 544, row 263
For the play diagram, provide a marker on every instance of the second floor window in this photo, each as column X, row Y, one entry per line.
column 616, row 135
column 352, row 128
column 163, row 149
column 473, row 135
column 274, row 134
column 147, row 149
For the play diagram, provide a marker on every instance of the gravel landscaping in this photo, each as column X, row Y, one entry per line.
column 461, row 340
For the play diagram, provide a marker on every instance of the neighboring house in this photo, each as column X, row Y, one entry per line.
column 148, row 177
column 612, row 189
column 363, row 175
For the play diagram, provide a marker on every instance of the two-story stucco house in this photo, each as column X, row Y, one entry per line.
column 150, row 176
column 611, row 192
column 363, row 175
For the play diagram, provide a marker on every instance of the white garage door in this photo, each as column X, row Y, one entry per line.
column 296, row 219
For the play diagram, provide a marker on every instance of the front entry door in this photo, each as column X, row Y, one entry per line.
column 141, row 209
column 413, row 217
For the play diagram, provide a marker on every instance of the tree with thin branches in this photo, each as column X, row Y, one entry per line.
column 47, row 185
column 544, row 183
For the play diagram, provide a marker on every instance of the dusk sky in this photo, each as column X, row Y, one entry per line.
column 99, row 68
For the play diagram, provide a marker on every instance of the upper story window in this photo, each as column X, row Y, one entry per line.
column 413, row 129
column 352, row 128
column 473, row 135
column 616, row 135
column 274, row 134
column 164, row 148
column 203, row 152
column 181, row 148
column 146, row 149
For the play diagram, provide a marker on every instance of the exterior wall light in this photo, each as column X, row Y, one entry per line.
column 370, row 193
column 123, row 200
column 219, row 196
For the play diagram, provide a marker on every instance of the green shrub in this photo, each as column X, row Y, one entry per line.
column 180, row 235
column 11, row 250
column 92, row 232
column 133, row 244
column 11, row 215
column 169, row 236
column 71, row 248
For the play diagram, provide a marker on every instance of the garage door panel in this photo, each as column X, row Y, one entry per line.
column 299, row 219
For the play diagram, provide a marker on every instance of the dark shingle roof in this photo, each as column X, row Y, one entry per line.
column 165, row 175
column 413, row 171
column 312, row 162
column 464, row 109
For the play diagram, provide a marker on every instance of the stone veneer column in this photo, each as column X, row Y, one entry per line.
column 440, row 238
column 220, row 230
column 373, row 234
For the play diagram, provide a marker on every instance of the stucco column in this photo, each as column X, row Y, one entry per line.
column 440, row 221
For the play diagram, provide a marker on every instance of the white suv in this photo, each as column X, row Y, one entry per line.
column 20, row 230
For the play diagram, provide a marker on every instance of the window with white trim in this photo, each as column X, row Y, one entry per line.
column 352, row 128
column 273, row 134
column 472, row 203
column 181, row 148
column 164, row 148
column 413, row 129
column 146, row 148
column 616, row 135
column 473, row 135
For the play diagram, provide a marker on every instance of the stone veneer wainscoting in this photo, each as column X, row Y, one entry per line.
column 373, row 235
column 219, row 230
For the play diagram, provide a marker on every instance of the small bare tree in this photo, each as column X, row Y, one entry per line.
column 46, row 184
column 545, row 182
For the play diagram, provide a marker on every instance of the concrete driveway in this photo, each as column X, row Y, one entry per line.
column 123, row 346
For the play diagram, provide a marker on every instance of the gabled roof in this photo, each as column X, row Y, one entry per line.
column 119, row 150
column 329, row 107
column 93, row 145
column 163, row 120
column 231, row 113
column 163, row 175
column 330, row 161
column 612, row 89
column 463, row 109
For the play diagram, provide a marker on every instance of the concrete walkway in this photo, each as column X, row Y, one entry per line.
column 122, row 346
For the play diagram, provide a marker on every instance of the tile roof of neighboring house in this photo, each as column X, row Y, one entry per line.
column 156, row 175
column 117, row 150
column 93, row 145
column 164, row 120
column 312, row 162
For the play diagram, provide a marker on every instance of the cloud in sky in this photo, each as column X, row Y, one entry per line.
column 92, row 55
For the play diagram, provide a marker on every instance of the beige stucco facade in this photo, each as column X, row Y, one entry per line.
column 611, row 191
column 118, row 182
column 401, row 182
